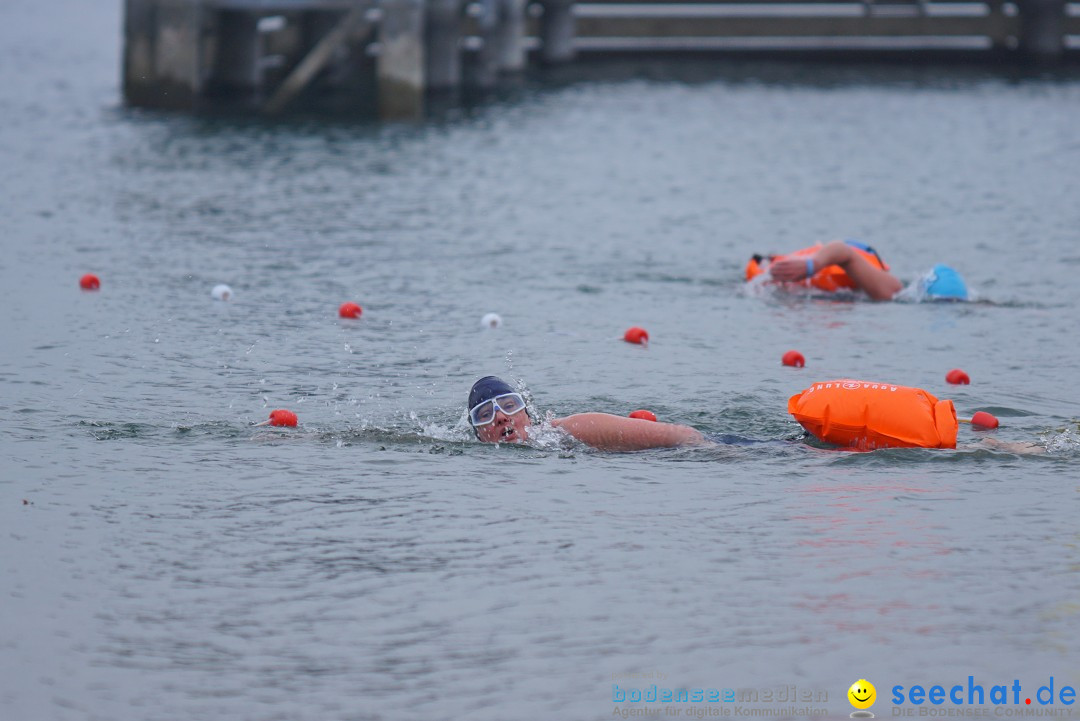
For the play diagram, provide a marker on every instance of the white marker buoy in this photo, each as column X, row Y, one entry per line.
column 221, row 292
column 491, row 320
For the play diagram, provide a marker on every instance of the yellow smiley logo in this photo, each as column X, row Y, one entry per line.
column 862, row 694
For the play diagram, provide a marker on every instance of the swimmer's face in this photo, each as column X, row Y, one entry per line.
column 506, row 429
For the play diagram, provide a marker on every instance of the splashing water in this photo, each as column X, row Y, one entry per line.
column 1064, row 442
column 915, row 292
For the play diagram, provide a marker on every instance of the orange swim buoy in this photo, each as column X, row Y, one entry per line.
column 830, row 278
column 865, row 416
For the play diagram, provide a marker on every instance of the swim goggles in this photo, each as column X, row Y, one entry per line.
column 483, row 413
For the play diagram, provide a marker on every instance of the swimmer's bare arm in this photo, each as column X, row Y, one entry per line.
column 878, row 284
column 1020, row 447
column 615, row 433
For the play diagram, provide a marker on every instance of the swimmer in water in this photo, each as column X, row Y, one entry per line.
column 497, row 414
column 850, row 264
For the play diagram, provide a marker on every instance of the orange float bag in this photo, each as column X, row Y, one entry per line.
column 831, row 278
column 865, row 416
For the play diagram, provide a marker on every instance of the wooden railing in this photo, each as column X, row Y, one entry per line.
column 775, row 21
column 731, row 25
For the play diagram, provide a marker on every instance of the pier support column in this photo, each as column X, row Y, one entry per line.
column 482, row 68
column 163, row 53
column 1042, row 29
column 443, row 32
column 140, row 26
column 400, row 67
column 510, row 36
column 999, row 24
column 238, row 54
column 557, row 31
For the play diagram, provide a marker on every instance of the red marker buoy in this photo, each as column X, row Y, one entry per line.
column 984, row 420
column 636, row 335
column 89, row 282
column 282, row 417
column 350, row 310
column 644, row 415
column 957, row 377
column 793, row 358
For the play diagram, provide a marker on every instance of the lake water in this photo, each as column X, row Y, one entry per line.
column 162, row 558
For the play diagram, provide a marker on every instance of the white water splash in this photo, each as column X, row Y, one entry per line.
column 1064, row 442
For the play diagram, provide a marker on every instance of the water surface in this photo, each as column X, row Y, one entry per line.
column 172, row 561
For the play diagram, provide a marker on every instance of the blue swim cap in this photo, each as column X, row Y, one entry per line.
column 945, row 283
column 487, row 388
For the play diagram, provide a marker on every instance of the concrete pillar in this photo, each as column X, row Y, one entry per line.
column 1042, row 29
column 510, row 36
column 482, row 68
column 400, row 67
column 178, row 56
column 999, row 23
column 140, row 28
column 164, row 65
column 238, row 51
column 443, row 32
column 557, row 31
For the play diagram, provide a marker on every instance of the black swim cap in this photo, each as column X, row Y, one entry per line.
column 487, row 388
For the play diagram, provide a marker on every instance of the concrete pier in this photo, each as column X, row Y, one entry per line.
column 388, row 56
column 444, row 35
column 557, row 31
column 1042, row 29
column 238, row 59
column 481, row 65
column 509, row 36
column 400, row 73
column 163, row 53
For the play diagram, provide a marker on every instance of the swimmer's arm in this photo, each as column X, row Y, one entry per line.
column 1020, row 447
column 878, row 284
column 615, row 433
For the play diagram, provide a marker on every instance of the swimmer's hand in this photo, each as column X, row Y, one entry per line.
column 788, row 270
column 607, row 432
